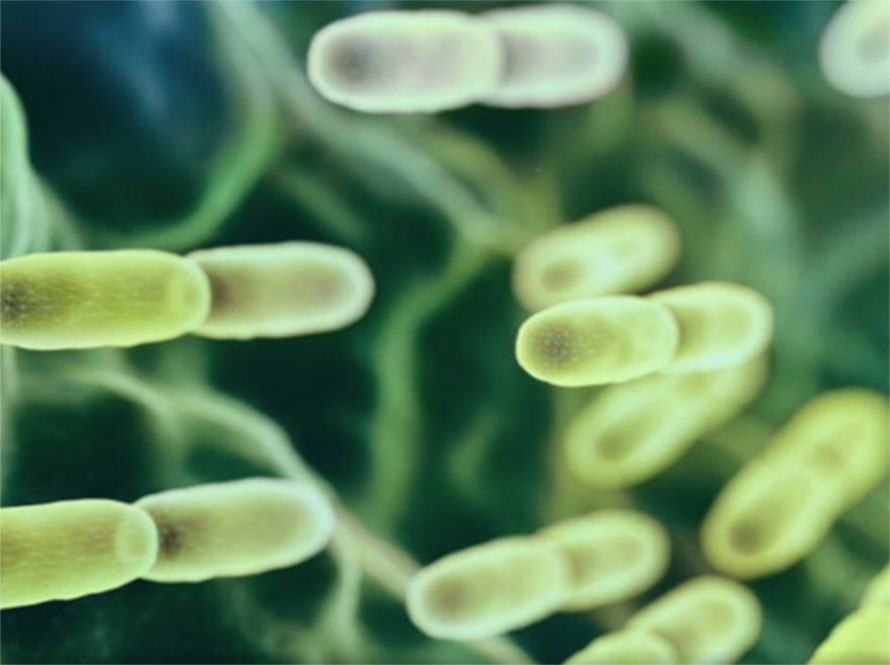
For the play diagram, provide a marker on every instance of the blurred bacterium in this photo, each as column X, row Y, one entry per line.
column 863, row 638
column 855, row 48
column 627, row 647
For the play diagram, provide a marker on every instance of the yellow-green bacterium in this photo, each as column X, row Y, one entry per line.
column 627, row 647
column 863, row 638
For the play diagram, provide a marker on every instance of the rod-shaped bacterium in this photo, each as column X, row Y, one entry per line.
column 627, row 647
column 236, row 528
column 291, row 288
column 707, row 619
column 597, row 341
column 616, row 251
column 489, row 589
column 878, row 590
column 556, row 55
column 863, row 638
column 77, row 300
column 68, row 549
column 855, row 49
column 405, row 61
column 613, row 555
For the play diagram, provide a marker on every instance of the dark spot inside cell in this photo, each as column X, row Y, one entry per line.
column 170, row 540
column 554, row 344
column 353, row 62
column 13, row 300
column 560, row 275
column 746, row 537
column 612, row 447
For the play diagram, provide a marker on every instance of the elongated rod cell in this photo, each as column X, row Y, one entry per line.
column 863, row 638
column 721, row 324
column 878, row 590
column 556, row 55
column 855, row 49
column 78, row 300
column 597, row 341
column 708, row 620
column 614, row 555
column 489, row 589
column 616, row 251
column 292, row 288
column 405, row 61
column 631, row 432
column 779, row 506
column 627, row 647
column 68, row 549
column 236, row 528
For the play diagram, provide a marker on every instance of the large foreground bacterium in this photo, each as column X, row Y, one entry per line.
column 76, row 300
column 236, row 528
column 863, row 638
column 627, row 647
column 68, row 549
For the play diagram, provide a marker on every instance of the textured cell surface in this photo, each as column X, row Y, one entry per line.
column 707, row 619
column 629, row 433
column 556, row 55
column 619, row 250
column 236, row 528
column 878, row 590
column 863, row 638
column 721, row 324
column 405, row 61
column 68, row 549
column 613, row 555
column 780, row 506
column 77, row 300
column 489, row 589
column 597, row 341
column 292, row 288
column 855, row 48
column 627, row 647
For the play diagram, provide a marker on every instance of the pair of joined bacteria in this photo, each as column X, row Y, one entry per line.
column 69, row 549
column 433, row 60
column 76, row 300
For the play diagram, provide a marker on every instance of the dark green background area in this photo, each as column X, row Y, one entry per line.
column 140, row 113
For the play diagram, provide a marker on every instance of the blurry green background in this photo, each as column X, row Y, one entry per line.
column 181, row 125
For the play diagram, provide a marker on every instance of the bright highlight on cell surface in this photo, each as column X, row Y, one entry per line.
column 614, row 555
column 627, row 647
column 292, row 288
column 721, row 324
column 707, row 620
column 556, row 55
column 69, row 549
column 631, row 432
column 405, row 61
column 616, row 251
column 855, row 49
column 77, row 300
column 597, row 341
column 779, row 507
column 236, row 528
column 489, row 589
column 863, row 638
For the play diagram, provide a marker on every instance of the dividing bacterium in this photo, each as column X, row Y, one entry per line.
column 291, row 288
column 627, row 647
column 69, row 549
column 77, row 300
column 780, row 505
column 236, row 528
column 629, row 433
column 855, row 48
column 556, row 55
column 489, row 589
column 405, row 61
column 616, row 251
column 597, row 341
column 721, row 324
column 863, row 638
column 614, row 555
column 707, row 620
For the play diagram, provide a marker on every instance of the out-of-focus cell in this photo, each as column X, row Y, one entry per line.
column 863, row 638
column 620, row 250
column 405, row 61
column 292, row 288
column 721, row 324
column 708, row 620
column 779, row 507
column 236, row 528
column 629, row 433
column 614, row 555
column 627, row 647
column 77, row 300
column 68, row 549
column 878, row 590
column 489, row 589
column 855, row 49
column 556, row 55
column 597, row 341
